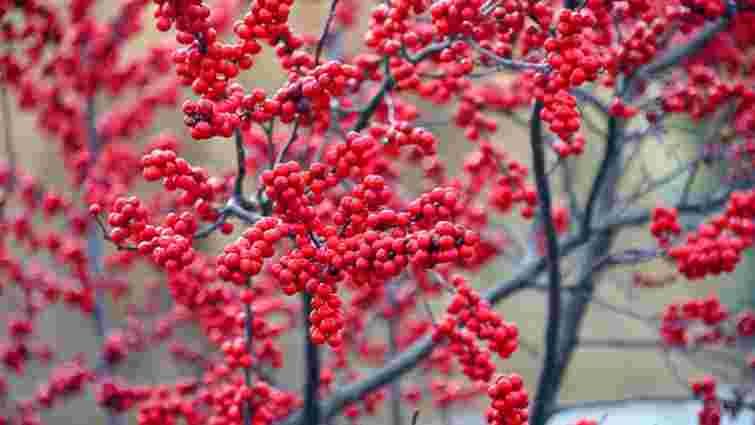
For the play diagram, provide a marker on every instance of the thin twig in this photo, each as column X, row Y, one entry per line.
column 291, row 139
column 653, row 185
column 509, row 64
column 325, row 30
column 620, row 344
column 238, row 184
column 207, row 231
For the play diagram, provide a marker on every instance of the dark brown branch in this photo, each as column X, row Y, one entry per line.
column 546, row 387
column 311, row 411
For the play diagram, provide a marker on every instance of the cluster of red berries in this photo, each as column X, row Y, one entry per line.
column 370, row 245
column 309, row 97
column 376, row 257
column 285, row 187
column 715, row 247
column 639, row 48
column 404, row 73
column 169, row 244
column 440, row 204
column 300, row 271
column 326, row 319
column 119, row 397
column 445, row 393
column 573, row 62
column 746, row 324
column 67, row 380
column 244, row 259
column 560, row 112
column 169, row 249
column 459, row 17
column 478, row 317
column 293, row 270
column 621, row 110
column 677, row 321
column 207, row 64
column 469, row 114
column 390, row 28
column 402, row 133
column 127, row 121
column 268, row 20
column 166, row 406
column 230, row 401
column 352, row 157
column 509, row 401
column 511, row 189
column 207, row 118
column 237, row 353
column 706, row 91
column 354, row 217
column 709, row 8
column 509, row 178
column 445, row 243
column 115, row 348
column 127, row 219
column 177, row 173
column 469, row 319
column 705, row 389
column 665, row 225
column 211, row 66
column 370, row 404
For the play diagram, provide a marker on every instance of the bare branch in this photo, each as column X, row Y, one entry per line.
column 546, row 386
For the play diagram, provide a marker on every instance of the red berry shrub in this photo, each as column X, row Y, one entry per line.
column 315, row 201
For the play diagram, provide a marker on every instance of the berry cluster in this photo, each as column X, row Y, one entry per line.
column 402, row 133
column 510, row 401
column 468, row 319
column 477, row 316
column 677, row 320
column 705, row 389
column 168, row 244
column 573, row 62
column 459, row 17
column 389, row 27
column 177, row 173
column 715, row 247
column 114, row 395
column 67, row 380
column 308, row 97
column 511, row 189
column 665, row 225
column 349, row 158
column 244, row 258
